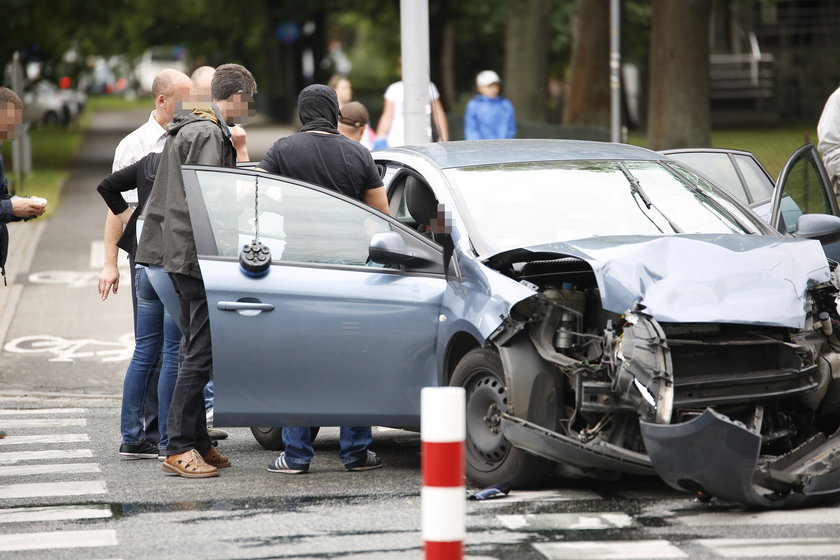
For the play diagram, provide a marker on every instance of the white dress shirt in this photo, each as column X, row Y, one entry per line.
column 146, row 139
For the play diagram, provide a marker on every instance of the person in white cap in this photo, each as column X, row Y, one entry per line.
column 489, row 115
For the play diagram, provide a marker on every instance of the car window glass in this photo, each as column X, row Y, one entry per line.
column 523, row 204
column 803, row 193
column 692, row 211
column 717, row 167
column 299, row 224
column 758, row 183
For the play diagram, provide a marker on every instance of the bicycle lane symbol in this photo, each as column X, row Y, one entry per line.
column 64, row 350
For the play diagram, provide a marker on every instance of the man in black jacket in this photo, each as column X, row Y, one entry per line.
column 12, row 209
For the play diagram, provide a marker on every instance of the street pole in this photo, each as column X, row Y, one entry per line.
column 20, row 155
column 414, row 36
column 615, row 70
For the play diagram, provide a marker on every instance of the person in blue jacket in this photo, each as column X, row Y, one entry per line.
column 489, row 115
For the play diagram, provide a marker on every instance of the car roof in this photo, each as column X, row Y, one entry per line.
column 468, row 153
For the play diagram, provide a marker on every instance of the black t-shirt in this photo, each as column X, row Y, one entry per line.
column 327, row 160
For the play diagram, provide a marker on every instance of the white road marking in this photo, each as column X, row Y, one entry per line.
column 58, row 539
column 816, row 516
column 66, row 350
column 50, row 468
column 566, row 521
column 534, row 496
column 609, row 550
column 53, row 513
column 772, row 548
column 7, row 458
column 43, row 423
column 42, row 411
column 45, row 438
column 49, row 489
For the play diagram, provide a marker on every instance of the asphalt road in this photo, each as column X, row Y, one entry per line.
column 66, row 494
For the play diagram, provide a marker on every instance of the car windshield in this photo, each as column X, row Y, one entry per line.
column 518, row 205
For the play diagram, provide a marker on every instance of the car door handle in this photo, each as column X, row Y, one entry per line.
column 244, row 306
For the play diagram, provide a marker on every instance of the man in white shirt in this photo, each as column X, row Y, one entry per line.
column 828, row 133
column 168, row 88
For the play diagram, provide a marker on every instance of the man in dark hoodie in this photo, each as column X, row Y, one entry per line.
column 320, row 155
column 201, row 137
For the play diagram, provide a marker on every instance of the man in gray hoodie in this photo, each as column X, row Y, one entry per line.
column 201, row 137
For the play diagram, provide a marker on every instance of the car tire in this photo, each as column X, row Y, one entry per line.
column 51, row 118
column 490, row 458
column 271, row 438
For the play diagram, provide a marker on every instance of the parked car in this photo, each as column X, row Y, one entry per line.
column 44, row 103
column 803, row 186
column 603, row 306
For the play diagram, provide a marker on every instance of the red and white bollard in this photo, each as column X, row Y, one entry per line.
column 443, row 431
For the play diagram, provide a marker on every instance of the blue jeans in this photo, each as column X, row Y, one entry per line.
column 209, row 389
column 156, row 333
column 354, row 442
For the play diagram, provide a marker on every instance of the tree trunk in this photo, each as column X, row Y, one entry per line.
column 678, row 99
column 526, row 64
column 588, row 91
column 447, row 65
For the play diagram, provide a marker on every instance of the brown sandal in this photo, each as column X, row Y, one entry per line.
column 216, row 459
column 188, row 465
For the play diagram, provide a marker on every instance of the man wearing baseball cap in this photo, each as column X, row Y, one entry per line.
column 489, row 115
column 353, row 120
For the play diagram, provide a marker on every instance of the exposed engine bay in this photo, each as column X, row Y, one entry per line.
column 692, row 401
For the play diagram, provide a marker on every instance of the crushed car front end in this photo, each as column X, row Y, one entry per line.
column 715, row 397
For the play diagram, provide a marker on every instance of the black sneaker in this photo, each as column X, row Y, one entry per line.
column 369, row 462
column 143, row 450
column 282, row 465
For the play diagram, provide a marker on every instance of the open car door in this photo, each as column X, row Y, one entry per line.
column 803, row 189
column 325, row 337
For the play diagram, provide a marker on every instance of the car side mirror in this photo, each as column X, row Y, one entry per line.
column 388, row 247
column 824, row 228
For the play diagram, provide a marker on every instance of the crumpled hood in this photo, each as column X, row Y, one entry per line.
column 726, row 278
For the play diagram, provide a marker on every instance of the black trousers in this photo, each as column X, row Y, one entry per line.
column 187, row 423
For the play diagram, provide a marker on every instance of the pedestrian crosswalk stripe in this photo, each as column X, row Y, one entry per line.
column 54, row 513
column 8, row 457
column 609, row 550
column 49, row 468
column 772, row 548
column 46, row 438
column 46, row 489
column 815, row 516
column 16, row 424
column 41, row 411
column 58, row 539
column 567, row 521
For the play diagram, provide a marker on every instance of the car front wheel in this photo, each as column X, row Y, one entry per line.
column 271, row 438
column 491, row 459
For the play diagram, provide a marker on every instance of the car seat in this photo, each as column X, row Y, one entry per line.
column 420, row 203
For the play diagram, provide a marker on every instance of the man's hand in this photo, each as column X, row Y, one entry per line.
column 239, row 139
column 109, row 280
column 28, row 207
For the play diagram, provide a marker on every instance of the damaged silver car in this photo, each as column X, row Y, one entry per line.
column 603, row 308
